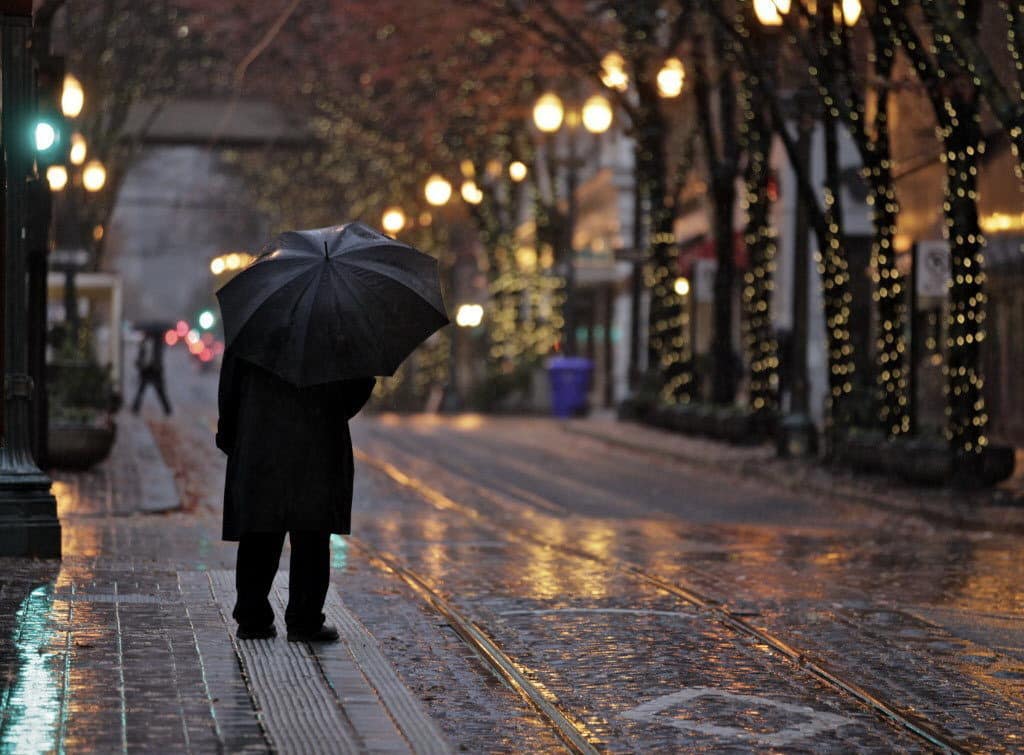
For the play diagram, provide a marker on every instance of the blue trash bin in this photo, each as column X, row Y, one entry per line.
column 570, row 384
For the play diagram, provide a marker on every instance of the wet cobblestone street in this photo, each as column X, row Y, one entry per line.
column 906, row 609
column 651, row 603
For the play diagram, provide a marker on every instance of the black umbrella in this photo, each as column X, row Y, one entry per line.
column 332, row 303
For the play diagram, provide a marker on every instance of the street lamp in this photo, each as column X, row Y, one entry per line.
column 437, row 190
column 230, row 262
column 94, row 176
column 57, row 177
column 72, row 97
column 771, row 12
column 797, row 434
column 670, row 78
column 393, row 220
column 549, row 115
column 470, row 192
column 548, row 112
column 28, row 510
column 467, row 317
column 613, row 72
column 78, row 149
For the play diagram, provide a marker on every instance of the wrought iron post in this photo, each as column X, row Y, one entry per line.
column 28, row 511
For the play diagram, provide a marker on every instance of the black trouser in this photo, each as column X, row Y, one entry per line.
column 161, row 393
column 258, row 556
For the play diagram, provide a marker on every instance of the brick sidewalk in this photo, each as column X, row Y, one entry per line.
column 1000, row 509
column 127, row 643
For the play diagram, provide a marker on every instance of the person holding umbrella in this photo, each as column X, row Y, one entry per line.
column 150, row 365
column 308, row 326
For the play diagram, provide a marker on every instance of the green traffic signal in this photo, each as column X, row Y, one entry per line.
column 206, row 319
column 47, row 137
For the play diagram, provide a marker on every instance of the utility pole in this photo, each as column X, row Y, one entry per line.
column 28, row 511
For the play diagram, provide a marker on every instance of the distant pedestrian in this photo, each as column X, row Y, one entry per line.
column 290, row 470
column 150, row 365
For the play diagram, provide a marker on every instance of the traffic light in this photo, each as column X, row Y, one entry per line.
column 50, row 137
column 206, row 319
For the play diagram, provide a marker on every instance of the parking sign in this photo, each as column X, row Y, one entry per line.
column 932, row 270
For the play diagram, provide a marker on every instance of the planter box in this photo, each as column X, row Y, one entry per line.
column 997, row 464
column 79, row 446
column 923, row 462
column 729, row 424
column 861, row 451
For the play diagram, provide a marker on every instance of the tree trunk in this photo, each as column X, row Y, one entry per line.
column 665, row 347
column 891, row 356
column 759, row 236
column 967, row 418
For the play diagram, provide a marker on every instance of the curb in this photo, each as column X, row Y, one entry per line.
column 976, row 515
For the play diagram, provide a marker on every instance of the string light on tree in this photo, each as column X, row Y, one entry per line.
column 759, row 237
column 956, row 111
column 517, row 170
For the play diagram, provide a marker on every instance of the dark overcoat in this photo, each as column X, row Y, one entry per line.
column 289, row 450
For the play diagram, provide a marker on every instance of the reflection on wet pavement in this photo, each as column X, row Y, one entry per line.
column 555, row 545
column 32, row 708
column 821, row 575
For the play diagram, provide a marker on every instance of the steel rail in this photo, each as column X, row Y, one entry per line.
column 573, row 733
column 819, row 669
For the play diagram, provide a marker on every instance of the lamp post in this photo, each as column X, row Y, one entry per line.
column 28, row 511
column 549, row 115
column 90, row 176
column 669, row 81
column 467, row 317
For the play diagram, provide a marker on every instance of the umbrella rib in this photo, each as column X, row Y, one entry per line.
column 314, row 284
column 256, row 304
column 383, row 270
column 362, row 315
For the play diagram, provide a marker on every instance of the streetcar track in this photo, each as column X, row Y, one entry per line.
column 919, row 727
column 502, row 493
column 570, row 730
column 534, row 470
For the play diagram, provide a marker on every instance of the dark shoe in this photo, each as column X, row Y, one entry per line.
column 256, row 633
column 326, row 633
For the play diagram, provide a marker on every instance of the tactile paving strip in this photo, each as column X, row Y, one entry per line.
column 359, row 645
column 300, row 712
column 333, row 697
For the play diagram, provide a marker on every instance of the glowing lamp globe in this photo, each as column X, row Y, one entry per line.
column 94, row 176
column 437, row 190
column 548, row 113
column 72, row 97
column 393, row 220
column 597, row 114
column 57, row 177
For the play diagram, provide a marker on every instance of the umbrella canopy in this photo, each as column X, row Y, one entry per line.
column 332, row 303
